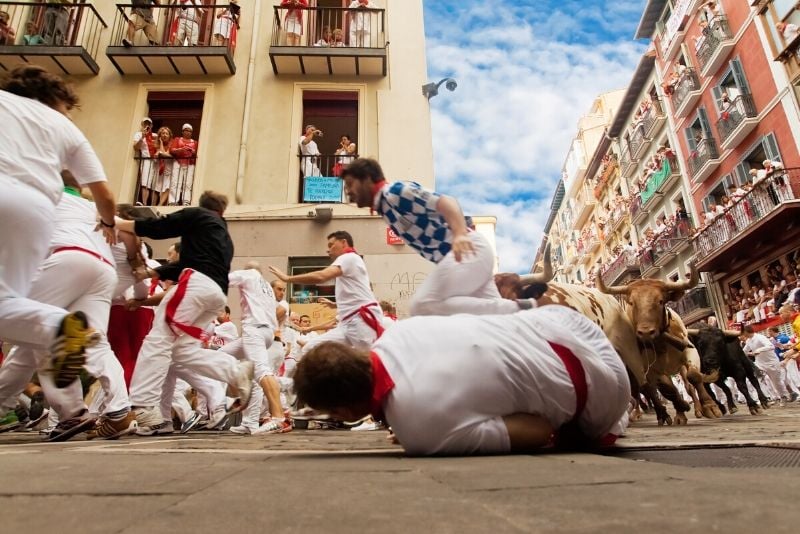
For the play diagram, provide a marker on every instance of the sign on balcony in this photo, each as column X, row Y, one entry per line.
column 676, row 21
column 322, row 189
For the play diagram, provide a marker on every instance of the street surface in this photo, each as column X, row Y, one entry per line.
column 340, row 481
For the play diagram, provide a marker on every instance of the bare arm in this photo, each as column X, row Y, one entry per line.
column 315, row 277
column 323, row 326
column 281, row 314
column 106, row 207
column 527, row 431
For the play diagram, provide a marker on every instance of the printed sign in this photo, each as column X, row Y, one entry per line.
column 392, row 238
column 680, row 13
column 322, row 189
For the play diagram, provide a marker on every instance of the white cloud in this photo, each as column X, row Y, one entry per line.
column 505, row 132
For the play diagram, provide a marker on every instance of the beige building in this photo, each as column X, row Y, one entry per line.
column 248, row 97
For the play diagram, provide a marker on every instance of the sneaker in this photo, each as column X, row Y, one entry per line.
column 147, row 419
column 793, row 397
column 218, row 418
column 308, row 414
column 190, row 423
column 69, row 348
column 113, row 429
column 37, row 406
column 244, row 385
column 126, row 43
column 367, row 426
column 241, row 430
column 274, row 426
column 9, row 422
column 162, row 429
column 73, row 426
column 35, row 422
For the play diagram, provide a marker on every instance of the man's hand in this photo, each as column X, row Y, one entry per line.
column 278, row 273
column 133, row 304
column 462, row 246
column 326, row 302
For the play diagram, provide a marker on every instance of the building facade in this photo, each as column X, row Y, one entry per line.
column 247, row 93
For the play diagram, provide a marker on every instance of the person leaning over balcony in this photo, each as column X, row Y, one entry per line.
column 227, row 25
column 144, row 143
column 789, row 31
column 185, row 28
column 184, row 150
column 7, row 33
column 293, row 21
column 141, row 19
column 162, row 184
column 32, row 36
column 361, row 23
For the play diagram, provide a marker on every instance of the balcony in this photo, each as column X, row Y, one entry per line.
column 625, row 264
column 737, row 121
column 687, row 92
column 360, row 51
column 181, row 41
column 584, row 205
column 638, row 212
column 704, row 159
column 320, row 181
column 61, row 38
column 642, row 130
column 647, row 264
column 758, row 220
column 592, row 245
column 164, row 181
column 628, row 164
column 665, row 247
column 618, row 216
column 715, row 46
column 660, row 182
column 693, row 306
column 609, row 168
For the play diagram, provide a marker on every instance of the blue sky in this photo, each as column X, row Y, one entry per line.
column 526, row 72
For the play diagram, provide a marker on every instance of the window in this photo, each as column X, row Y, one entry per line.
column 765, row 148
column 700, row 129
column 720, row 190
column 308, row 293
column 733, row 83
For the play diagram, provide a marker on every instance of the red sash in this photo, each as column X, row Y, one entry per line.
column 85, row 251
column 172, row 306
column 382, row 385
column 577, row 375
column 368, row 317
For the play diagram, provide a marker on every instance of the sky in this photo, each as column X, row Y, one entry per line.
column 526, row 72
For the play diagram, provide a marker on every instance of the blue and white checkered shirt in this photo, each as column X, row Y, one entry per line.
column 410, row 211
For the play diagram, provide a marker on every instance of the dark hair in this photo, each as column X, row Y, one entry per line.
column 748, row 329
column 775, row 329
column 305, row 316
column 214, row 201
column 177, row 246
column 333, row 375
column 227, row 310
column 341, row 234
column 364, row 169
column 34, row 82
column 148, row 248
column 347, row 136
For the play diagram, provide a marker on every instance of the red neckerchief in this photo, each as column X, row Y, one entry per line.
column 376, row 188
column 348, row 250
column 382, row 385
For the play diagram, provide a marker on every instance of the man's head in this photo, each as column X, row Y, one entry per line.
column 225, row 316
column 359, row 179
column 4, row 17
column 786, row 312
column 253, row 265
column 214, row 201
column 305, row 321
column 147, row 124
column 774, row 331
column 310, row 129
column 336, row 379
column 31, row 81
column 174, row 252
column 748, row 332
column 279, row 288
column 187, row 131
column 338, row 242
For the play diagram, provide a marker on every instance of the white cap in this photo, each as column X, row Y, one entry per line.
column 147, row 119
column 187, row 126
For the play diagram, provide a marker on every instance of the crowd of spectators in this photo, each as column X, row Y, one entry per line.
column 359, row 23
column 166, row 164
column 764, row 295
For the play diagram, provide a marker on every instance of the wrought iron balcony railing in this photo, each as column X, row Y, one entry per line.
column 742, row 107
column 718, row 31
column 164, row 181
column 329, row 27
column 705, row 151
column 686, row 84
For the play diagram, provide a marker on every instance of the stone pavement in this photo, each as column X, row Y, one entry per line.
column 338, row 481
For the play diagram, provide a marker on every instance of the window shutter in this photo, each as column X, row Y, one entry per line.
column 690, row 139
column 741, row 173
column 771, row 147
column 739, row 77
column 717, row 91
column 704, row 124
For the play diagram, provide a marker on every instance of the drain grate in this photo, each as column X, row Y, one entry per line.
column 730, row 457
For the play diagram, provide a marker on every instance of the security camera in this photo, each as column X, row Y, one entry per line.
column 451, row 85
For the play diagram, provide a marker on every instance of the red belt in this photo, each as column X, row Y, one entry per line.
column 85, row 251
column 368, row 317
column 172, row 306
column 577, row 375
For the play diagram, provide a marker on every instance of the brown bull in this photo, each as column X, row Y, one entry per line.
column 664, row 342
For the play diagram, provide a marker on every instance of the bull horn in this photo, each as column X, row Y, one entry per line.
column 694, row 278
column 543, row 277
column 732, row 333
column 692, row 331
column 613, row 290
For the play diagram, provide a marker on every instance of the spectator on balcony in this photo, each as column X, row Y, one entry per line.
column 144, row 143
column 338, row 38
column 227, row 25
column 361, row 23
column 184, row 150
column 293, row 21
column 327, row 38
column 711, row 11
column 309, row 152
column 186, row 27
column 7, row 33
column 142, row 19
column 56, row 22
column 788, row 31
column 165, row 164
column 725, row 106
column 32, row 36
column 345, row 154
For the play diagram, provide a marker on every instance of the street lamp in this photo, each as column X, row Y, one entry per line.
column 429, row 90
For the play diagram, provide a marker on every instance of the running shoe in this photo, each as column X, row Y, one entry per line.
column 9, row 422
column 69, row 349
column 30, row 425
column 241, row 430
column 37, row 406
column 73, row 426
column 367, row 426
column 114, row 429
column 190, row 423
column 149, row 421
column 165, row 428
column 274, row 426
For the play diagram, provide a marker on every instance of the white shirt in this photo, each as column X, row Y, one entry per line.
column 310, row 148
column 227, row 332
column 257, row 298
column 359, row 19
column 76, row 219
column 763, row 350
column 790, row 32
column 144, row 151
column 189, row 13
column 37, row 143
column 456, row 377
column 285, row 305
column 352, row 287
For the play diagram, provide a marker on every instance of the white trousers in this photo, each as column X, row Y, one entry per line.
column 180, row 184
column 201, row 304
column 463, row 287
column 75, row 281
column 354, row 332
column 187, row 29
column 254, row 346
column 26, row 225
column 173, row 396
column 775, row 375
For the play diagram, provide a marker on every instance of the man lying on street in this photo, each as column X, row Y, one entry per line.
column 477, row 384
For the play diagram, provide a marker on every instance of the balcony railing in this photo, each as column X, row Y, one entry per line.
column 660, row 180
column 584, row 204
column 693, row 306
column 741, row 108
column 329, row 40
column 164, row 181
column 606, row 174
column 625, row 262
column 665, row 246
column 637, row 210
column 718, row 31
column 320, row 178
column 174, row 39
column 627, row 162
column 765, row 197
column 705, row 151
column 687, row 84
column 63, row 38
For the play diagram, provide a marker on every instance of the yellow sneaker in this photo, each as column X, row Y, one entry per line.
column 69, row 349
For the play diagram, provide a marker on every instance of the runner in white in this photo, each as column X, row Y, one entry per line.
column 360, row 317
column 434, row 226
column 477, row 385
column 260, row 318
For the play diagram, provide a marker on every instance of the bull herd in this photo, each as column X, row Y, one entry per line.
column 652, row 340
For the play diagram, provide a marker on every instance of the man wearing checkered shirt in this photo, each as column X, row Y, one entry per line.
column 434, row 226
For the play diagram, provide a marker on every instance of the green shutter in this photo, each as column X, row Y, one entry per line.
column 771, row 147
column 739, row 77
column 704, row 124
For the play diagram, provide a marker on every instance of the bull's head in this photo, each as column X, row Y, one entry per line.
column 647, row 301
column 514, row 286
column 711, row 343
